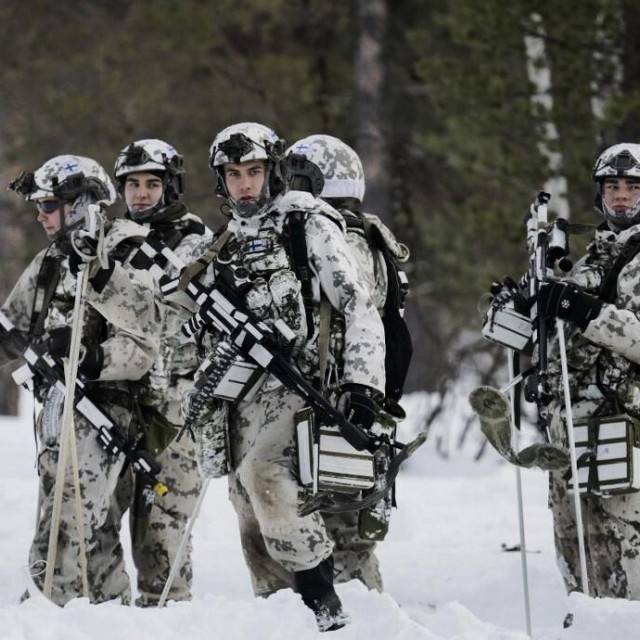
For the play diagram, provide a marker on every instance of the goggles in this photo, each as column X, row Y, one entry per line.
column 48, row 206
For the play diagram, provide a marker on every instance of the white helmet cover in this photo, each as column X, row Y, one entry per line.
column 65, row 177
column 619, row 161
column 340, row 165
column 149, row 154
column 242, row 142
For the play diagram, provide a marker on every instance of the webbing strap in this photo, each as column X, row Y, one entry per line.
column 203, row 261
column 609, row 284
column 300, row 259
column 46, row 283
column 324, row 333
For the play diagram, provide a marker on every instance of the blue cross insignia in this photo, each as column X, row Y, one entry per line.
column 256, row 245
column 70, row 166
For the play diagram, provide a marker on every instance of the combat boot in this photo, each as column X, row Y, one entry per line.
column 316, row 588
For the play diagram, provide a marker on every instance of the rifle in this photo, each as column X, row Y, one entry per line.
column 50, row 373
column 220, row 307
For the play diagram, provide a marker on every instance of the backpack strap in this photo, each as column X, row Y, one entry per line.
column 46, row 283
column 300, row 262
column 609, row 285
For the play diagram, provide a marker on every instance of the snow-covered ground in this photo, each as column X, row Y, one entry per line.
column 446, row 564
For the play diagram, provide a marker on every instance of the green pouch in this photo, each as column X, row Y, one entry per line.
column 157, row 432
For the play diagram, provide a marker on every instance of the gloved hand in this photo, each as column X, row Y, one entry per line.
column 568, row 302
column 91, row 356
column 58, row 342
column 84, row 249
column 358, row 404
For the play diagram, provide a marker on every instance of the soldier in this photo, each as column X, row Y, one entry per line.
column 150, row 178
column 254, row 262
column 119, row 344
column 343, row 188
column 600, row 301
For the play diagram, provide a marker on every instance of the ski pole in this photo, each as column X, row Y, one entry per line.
column 67, row 440
column 574, row 463
column 183, row 544
column 523, row 543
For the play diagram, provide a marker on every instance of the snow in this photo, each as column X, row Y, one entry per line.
column 446, row 570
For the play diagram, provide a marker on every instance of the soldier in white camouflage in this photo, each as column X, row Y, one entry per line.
column 343, row 187
column 119, row 345
column 254, row 261
column 150, row 178
column 600, row 300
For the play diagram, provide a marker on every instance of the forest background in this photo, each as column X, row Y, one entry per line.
column 461, row 111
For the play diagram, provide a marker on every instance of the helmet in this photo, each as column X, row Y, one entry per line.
column 619, row 161
column 66, row 177
column 244, row 142
column 339, row 163
column 156, row 157
column 71, row 179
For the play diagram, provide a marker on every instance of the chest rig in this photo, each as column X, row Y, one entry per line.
column 259, row 268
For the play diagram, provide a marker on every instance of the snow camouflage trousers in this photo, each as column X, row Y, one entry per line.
column 612, row 534
column 98, row 478
column 354, row 558
column 163, row 528
column 264, row 472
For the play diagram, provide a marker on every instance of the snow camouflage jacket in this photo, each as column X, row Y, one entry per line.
column 126, row 304
column 171, row 376
column 603, row 360
column 258, row 253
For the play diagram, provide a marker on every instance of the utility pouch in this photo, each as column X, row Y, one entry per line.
column 608, row 453
column 326, row 461
column 157, row 432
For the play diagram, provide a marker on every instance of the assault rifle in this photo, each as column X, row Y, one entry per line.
column 221, row 307
column 47, row 371
column 548, row 247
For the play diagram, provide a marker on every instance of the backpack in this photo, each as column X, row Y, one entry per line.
column 385, row 250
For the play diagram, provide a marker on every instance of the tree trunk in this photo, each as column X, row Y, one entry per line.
column 630, row 128
column 372, row 139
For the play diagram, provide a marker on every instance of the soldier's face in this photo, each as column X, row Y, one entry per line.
column 142, row 191
column 245, row 180
column 49, row 214
column 621, row 194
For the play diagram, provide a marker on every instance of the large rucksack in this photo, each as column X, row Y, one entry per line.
column 387, row 254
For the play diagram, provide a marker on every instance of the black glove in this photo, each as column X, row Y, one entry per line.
column 568, row 302
column 91, row 362
column 358, row 404
column 58, row 342
column 83, row 250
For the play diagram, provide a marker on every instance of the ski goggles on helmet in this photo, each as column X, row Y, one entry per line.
column 48, row 206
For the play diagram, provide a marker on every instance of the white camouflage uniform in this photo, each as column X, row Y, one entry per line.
column 603, row 359
column 127, row 309
column 157, row 536
column 264, row 486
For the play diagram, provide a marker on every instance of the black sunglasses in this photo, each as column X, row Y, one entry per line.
column 48, row 206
